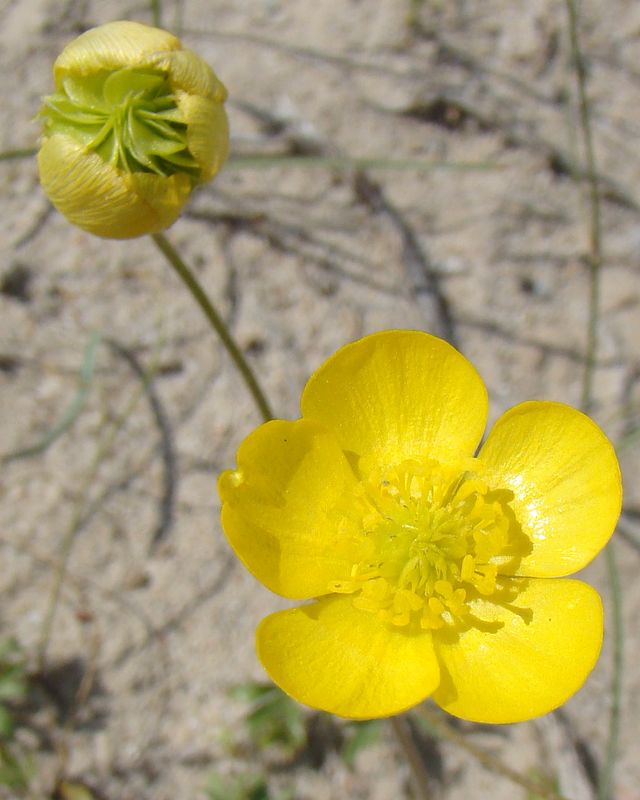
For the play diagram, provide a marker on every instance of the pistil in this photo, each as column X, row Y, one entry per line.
column 437, row 535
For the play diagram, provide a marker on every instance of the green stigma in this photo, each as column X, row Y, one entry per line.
column 434, row 539
column 128, row 117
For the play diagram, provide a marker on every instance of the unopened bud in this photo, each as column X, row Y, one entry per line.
column 136, row 121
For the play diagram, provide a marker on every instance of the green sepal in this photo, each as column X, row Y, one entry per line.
column 129, row 117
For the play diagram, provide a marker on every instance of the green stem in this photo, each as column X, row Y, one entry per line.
column 402, row 730
column 267, row 161
column 71, row 414
column 76, row 522
column 605, row 777
column 444, row 730
column 23, row 152
column 216, row 322
column 156, row 13
column 595, row 221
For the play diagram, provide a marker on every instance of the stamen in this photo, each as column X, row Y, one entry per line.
column 437, row 535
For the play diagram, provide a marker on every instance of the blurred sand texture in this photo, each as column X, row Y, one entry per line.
column 490, row 250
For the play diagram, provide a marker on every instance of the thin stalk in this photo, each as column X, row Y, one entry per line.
column 605, row 776
column 71, row 414
column 606, row 773
column 268, row 161
column 443, row 730
column 23, row 152
column 216, row 322
column 402, row 730
column 75, row 524
column 156, row 13
column 595, row 218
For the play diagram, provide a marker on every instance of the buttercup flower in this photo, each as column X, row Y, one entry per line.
column 430, row 571
column 135, row 122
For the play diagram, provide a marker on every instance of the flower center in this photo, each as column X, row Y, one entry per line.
column 435, row 537
column 129, row 117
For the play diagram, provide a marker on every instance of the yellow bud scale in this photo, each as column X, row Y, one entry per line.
column 135, row 123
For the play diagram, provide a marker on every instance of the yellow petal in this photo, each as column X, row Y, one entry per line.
column 532, row 663
column 397, row 395
column 281, row 509
column 132, row 44
column 159, row 197
column 331, row 656
column 207, row 132
column 103, row 200
column 565, row 477
column 191, row 74
column 110, row 46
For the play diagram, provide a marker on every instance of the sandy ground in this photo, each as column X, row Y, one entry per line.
column 300, row 260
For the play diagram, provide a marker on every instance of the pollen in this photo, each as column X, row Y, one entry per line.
column 435, row 537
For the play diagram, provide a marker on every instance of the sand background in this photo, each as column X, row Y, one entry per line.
column 300, row 260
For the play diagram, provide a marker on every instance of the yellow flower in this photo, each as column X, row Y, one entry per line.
column 135, row 123
column 436, row 570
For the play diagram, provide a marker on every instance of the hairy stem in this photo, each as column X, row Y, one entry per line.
column 444, row 730
column 216, row 322
column 605, row 778
column 402, row 730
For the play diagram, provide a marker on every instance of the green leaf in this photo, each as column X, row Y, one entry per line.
column 245, row 787
column 10, row 651
column 6, row 723
column 250, row 692
column 274, row 718
column 359, row 736
column 13, row 679
column 13, row 773
column 546, row 782
column 66, row 790
column 13, row 683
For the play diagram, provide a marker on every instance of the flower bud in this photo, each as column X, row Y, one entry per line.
column 136, row 121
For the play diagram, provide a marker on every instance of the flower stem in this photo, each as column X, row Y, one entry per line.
column 78, row 517
column 402, row 729
column 605, row 776
column 595, row 221
column 444, row 730
column 156, row 13
column 22, row 152
column 216, row 322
